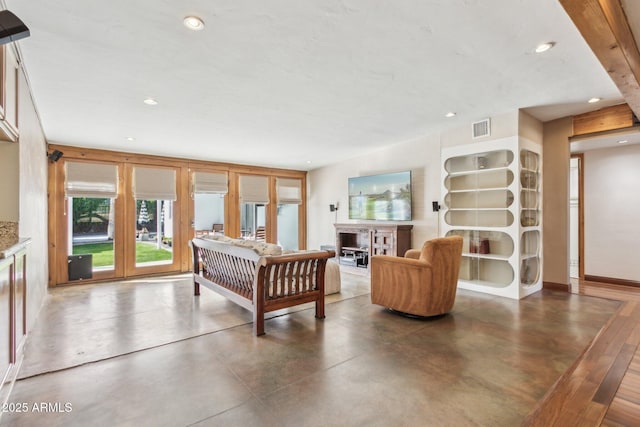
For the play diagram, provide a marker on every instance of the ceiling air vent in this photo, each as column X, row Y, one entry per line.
column 481, row 128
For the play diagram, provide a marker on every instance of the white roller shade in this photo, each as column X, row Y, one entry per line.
column 254, row 189
column 154, row 184
column 289, row 191
column 210, row 183
column 91, row 180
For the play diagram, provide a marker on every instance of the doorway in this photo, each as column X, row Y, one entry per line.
column 576, row 217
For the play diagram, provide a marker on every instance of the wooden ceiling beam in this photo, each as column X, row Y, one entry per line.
column 604, row 26
column 605, row 119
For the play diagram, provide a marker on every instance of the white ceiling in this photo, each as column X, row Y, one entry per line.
column 283, row 82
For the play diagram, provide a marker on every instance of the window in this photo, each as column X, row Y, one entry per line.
column 135, row 214
column 91, row 190
column 253, row 221
column 154, row 190
column 254, row 196
column 289, row 193
column 209, row 190
column 91, row 225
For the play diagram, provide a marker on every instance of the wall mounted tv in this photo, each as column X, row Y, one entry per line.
column 381, row 197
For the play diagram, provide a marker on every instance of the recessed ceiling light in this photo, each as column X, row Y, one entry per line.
column 624, row 141
column 450, row 114
column 544, row 47
column 309, row 162
column 150, row 101
column 594, row 100
column 130, row 138
column 193, row 23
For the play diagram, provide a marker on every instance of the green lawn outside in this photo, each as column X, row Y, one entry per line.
column 148, row 252
column 103, row 253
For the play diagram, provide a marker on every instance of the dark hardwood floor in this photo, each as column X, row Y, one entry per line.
column 602, row 388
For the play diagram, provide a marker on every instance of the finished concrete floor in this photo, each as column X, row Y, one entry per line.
column 148, row 353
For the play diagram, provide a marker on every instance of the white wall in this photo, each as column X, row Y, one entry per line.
column 612, row 210
column 328, row 185
column 33, row 201
column 502, row 126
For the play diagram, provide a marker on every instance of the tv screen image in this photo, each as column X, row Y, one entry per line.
column 381, row 197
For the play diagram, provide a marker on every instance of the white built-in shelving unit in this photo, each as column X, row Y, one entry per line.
column 492, row 199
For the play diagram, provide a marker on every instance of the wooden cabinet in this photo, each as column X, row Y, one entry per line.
column 493, row 201
column 8, row 94
column 12, row 314
column 6, row 266
column 357, row 243
column 9, row 152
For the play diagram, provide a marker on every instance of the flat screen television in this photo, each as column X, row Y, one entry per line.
column 381, row 197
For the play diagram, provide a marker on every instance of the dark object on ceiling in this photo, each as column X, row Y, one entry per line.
column 11, row 28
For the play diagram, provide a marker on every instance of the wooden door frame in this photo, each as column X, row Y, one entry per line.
column 125, row 212
column 59, row 226
column 130, row 218
column 580, row 157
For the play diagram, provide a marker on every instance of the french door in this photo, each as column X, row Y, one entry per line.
column 118, row 220
column 152, row 220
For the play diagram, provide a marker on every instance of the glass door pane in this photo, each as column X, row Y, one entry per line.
column 253, row 221
column 154, row 232
column 91, row 233
column 208, row 214
column 288, row 226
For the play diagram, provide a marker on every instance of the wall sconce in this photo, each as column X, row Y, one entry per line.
column 334, row 208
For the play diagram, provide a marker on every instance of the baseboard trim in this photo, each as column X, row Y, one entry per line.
column 556, row 286
column 612, row 281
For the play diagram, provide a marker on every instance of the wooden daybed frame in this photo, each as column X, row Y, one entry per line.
column 260, row 283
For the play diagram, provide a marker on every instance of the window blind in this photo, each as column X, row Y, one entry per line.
column 210, row 183
column 254, row 189
column 154, row 184
column 91, row 180
column 289, row 191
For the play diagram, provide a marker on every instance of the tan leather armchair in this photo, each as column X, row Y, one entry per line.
column 423, row 283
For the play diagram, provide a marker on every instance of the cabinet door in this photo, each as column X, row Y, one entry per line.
column 5, row 316
column 382, row 243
